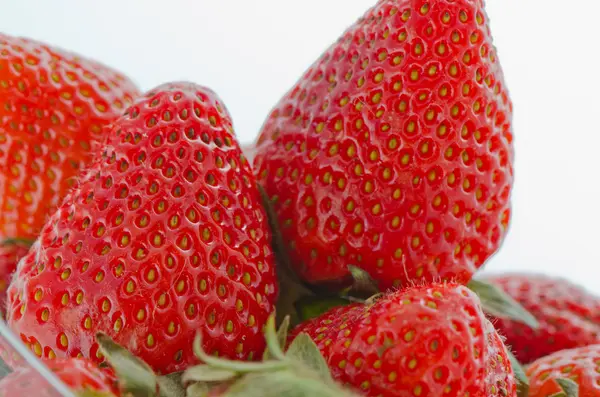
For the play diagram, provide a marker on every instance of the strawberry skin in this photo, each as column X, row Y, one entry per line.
column 77, row 373
column 421, row 341
column 394, row 151
column 10, row 253
column 568, row 315
column 165, row 236
column 579, row 364
column 54, row 105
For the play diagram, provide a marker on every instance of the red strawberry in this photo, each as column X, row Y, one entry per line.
column 421, row 341
column 10, row 253
column 580, row 365
column 164, row 236
column 79, row 374
column 568, row 315
column 394, row 150
column 53, row 107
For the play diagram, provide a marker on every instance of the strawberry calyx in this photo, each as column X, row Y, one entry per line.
column 300, row 371
column 93, row 393
column 499, row 304
column 520, row 376
column 136, row 378
column 25, row 242
column 568, row 386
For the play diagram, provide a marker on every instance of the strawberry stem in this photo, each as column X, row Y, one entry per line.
column 237, row 366
column 272, row 339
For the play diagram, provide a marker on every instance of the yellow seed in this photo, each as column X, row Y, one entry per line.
column 99, row 276
column 65, row 274
column 64, row 341
column 37, row 349
column 118, row 325
column 229, row 327
column 246, row 278
column 412, row 364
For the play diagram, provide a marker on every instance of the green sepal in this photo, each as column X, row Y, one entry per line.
column 520, row 376
column 568, row 386
column 499, row 304
column 94, row 393
column 206, row 373
column 171, row 385
column 18, row 241
column 304, row 350
column 285, row 384
column 135, row 376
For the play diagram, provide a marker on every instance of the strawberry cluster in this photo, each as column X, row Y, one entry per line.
column 155, row 258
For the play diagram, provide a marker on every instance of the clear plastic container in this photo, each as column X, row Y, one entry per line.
column 12, row 350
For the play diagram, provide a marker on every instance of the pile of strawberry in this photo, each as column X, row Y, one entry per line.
column 142, row 254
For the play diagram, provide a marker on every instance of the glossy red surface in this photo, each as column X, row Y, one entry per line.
column 164, row 237
column 394, row 151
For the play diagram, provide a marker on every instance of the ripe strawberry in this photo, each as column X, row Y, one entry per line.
column 165, row 236
column 79, row 374
column 10, row 253
column 53, row 107
column 394, row 150
column 433, row 340
column 579, row 365
column 568, row 315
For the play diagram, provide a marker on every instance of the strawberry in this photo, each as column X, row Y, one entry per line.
column 54, row 105
column 568, row 315
column 580, row 365
column 165, row 236
column 433, row 340
column 79, row 374
column 394, row 151
column 10, row 253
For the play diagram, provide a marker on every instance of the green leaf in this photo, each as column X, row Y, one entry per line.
column 520, row 376
column 206, row 373
column 18, row 241
column 569, row 387
column 197, row 390
column 496, row 302
column 280, row 340
column 305, row 351
column 285, row 384
column 171, row 385
column 311, row 306
column 135, row 376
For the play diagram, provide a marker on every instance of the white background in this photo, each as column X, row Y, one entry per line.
column 252, row 51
